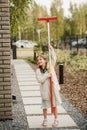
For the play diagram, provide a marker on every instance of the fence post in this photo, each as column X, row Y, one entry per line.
column 34, row 55
column 61, row 76
column 14, row 49
column 77, row 44
column 70, row 42
column 86, row 44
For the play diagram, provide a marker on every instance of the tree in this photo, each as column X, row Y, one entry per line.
column 57, row 27
column 18, row 14
column 78, row 18
column 39, row 11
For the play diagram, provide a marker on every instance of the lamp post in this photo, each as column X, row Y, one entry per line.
column 39, row 31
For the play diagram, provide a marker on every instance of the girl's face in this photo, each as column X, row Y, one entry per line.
column 41, row 61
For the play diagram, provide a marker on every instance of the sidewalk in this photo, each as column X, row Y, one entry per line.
column 29, row 88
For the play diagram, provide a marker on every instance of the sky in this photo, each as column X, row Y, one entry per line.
column 47, row 4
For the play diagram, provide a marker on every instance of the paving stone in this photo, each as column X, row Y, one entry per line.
column 30, row 93
column 36, row 109
column 27, row 69
column 28, row 83
column 20, row 79
column 24, row 69
column 32, row 100
column 34, row 88
column 29, row 74
column 26, row 76
column 65, row 121
column 26, row 79
column 19, row 71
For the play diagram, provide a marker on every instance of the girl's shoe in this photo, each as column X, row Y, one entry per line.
column 55, row 124
column 44, row 123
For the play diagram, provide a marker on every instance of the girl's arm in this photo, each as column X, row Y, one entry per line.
column 41, row 78
column 53, row 56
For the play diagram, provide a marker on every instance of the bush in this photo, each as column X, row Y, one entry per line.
column 44, row 48
column 31, row 59
column 77, row 61
column 37, row 48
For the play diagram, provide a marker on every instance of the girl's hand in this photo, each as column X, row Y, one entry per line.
column 50, row 74
column 49, row 46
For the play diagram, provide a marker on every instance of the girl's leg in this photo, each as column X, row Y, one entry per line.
column 55, row 113
column 45, row 113
column 45, row 117
column 55, row 124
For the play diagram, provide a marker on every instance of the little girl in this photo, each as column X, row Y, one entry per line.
column 43, row 77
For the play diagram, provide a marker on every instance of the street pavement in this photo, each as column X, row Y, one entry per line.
column 30, row 93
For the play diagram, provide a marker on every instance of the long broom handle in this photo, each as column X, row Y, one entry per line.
column 51, row 90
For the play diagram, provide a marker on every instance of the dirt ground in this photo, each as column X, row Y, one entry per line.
column 75, row 88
